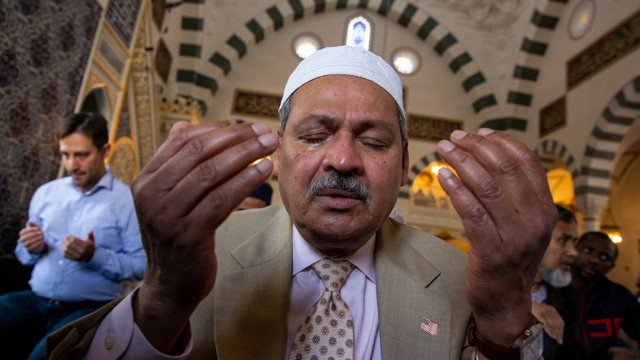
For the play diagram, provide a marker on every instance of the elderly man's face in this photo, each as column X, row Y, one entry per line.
column 340, row 163
column 560, row 255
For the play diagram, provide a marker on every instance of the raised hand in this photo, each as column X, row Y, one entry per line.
column 32, row 238
column 197, row 177
column 501, row 194
column 78, row 249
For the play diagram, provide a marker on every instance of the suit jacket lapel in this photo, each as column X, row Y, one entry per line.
column 258, row 284
column 404, row 300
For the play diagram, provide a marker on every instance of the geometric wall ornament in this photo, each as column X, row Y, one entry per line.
column 157, row 10
column 122, row 16
column 553, row 116
column 163, row 60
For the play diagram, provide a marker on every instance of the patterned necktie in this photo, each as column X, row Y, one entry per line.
column 327, row 330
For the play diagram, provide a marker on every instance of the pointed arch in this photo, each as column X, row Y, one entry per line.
column 407, row 14
column 604, row 144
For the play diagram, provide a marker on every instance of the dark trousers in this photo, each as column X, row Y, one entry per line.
column 26, row 319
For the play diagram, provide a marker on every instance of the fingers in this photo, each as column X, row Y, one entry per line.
column 498, row 180
column 179, row 135
column 212, row 160
column 89, row 237
column 72, row 247
column 231, row 193
column 32, row 238
column 483, row 167
column 207, row 164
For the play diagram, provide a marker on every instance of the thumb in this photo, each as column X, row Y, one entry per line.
column 90, row 237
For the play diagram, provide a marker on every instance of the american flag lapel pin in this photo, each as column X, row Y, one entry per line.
column 429, row 326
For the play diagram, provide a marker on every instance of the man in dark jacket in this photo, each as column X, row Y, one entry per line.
column 606, row 306
column 555, row 303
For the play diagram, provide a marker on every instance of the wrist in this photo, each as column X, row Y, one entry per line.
column 164, row 325
column 39, row 250
column 528, row 344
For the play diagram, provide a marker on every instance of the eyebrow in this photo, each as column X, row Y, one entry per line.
column 361, row 124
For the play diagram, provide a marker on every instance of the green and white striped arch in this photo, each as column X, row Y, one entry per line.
column 533, row 48
column 598, row 161
column 222, row 61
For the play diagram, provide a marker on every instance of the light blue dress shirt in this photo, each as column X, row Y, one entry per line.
column 59, row 208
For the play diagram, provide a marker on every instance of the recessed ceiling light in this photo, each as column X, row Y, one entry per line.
column 406, row 61
column 306, row 44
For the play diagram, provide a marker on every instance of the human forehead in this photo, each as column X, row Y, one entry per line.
column 345, row 90
column 77, row 141
column 564, row 228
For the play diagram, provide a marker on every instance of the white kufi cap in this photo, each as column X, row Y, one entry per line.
column 345, row 60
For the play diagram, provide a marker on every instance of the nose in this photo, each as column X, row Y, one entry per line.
column 71, row 163
column 343, row 154
column 570, row 249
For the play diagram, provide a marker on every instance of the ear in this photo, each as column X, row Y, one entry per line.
column 405, row 166
column 275, row 157
column 106, row 149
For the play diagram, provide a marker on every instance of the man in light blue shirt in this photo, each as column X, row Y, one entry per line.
column 82, row 238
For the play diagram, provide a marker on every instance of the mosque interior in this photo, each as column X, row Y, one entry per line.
column 563, row 76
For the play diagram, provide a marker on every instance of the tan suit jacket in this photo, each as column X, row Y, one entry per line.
column 417, row 276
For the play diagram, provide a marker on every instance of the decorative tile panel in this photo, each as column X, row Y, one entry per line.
column 122, row 16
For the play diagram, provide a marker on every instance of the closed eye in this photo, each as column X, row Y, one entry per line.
column 314, row 138
column 374, row 144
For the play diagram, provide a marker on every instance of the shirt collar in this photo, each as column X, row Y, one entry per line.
column 106, row 182
column 304, row 255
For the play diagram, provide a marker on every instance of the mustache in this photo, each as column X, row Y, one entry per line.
column 337, row 181
column 73, row 172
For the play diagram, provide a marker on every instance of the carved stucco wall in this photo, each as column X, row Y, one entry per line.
column 44, row 46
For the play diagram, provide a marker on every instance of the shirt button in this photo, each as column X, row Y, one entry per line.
column 108, row 342
column 60, row 262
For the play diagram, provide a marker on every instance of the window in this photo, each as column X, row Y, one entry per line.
column 359, row 32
